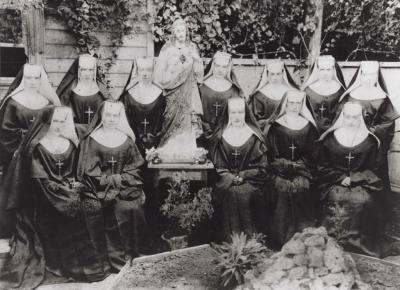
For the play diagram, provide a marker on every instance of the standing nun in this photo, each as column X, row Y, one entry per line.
column 275, row 81
column 220, row 84
column 324, row 87
column 51, row 233
column 82, row 90
column 291, row 135
column 369, row 89
column 109, row 164
column 144, row 103
column 28, row 94
column 237, row 150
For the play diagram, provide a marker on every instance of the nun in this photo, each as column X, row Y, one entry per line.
column 275, row 81
column 237, row 151
column 291, row 135
column 109, row 165
column 324, row 87
column 348, row 181
column 82, row 90
column 369, row 89
column 30, row 92
column 50, row 233
column 144, row 103
column 220, row 84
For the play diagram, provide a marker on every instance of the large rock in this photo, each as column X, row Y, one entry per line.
column 310, row 260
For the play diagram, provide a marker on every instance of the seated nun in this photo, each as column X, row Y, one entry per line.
column 109, row 163
column 324, row 87
column 82, row 90
column 51, row 233
column 348, row 183
column 291, row 136
column 237, row 150
column 28, row 94
column 275, row 81
column 144, row 103
column 220, row 84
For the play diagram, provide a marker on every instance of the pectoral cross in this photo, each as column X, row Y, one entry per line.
column 32, row 120
column 59, row 164
column 145, row 123
column 216, row 106
column 322, row 109
column 112, row 161
column 349, row 158
column 236, row 154
column 292, row 148
column 89, row 112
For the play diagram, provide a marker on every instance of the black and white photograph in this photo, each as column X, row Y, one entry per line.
column 200, row 145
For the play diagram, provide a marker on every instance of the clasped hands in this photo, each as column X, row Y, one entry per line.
column 237, row 180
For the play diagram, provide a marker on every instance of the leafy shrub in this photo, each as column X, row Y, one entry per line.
column 239, row 256
column 183, row 208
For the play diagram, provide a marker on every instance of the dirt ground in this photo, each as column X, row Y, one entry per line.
column 194, row 269
column 191, row 269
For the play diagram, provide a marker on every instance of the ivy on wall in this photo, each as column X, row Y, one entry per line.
column 85, row 18
column 243, row 28
column 362, row 29
column 10, row 26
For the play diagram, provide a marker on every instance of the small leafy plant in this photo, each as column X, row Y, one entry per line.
column 243, row 253
column 186, row 209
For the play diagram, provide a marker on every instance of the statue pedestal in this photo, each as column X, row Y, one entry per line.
column 193, row 171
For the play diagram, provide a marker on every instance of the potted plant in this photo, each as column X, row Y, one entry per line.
column 184, row 209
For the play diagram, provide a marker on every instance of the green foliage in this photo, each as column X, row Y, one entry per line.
column 365, row 29
column 186, row 209
column 240, row 27
column 239, row 256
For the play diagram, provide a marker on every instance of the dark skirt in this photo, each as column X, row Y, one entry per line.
column 242, row 210
column 289, row 208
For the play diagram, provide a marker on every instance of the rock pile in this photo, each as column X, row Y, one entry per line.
column 311, row 260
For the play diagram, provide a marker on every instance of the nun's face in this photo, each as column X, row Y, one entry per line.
column 221, row 67
column 180, row 33
column 325, row 72
column 32, row 80
column 369, row 78
column 145, row 73
column 86, row 72
column 293, row 105
column 351, row 118
column 275, row 76
column 111, row 116
column 58, row 122
column 236, row 113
